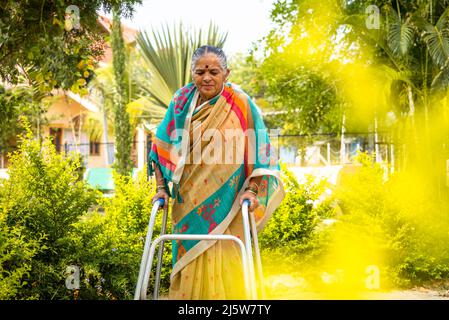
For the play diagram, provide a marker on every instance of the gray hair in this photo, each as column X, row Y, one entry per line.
column 201, row 51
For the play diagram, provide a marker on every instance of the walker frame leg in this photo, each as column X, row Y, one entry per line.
column 258, row 257
column 249, row 228
column 157, row 279
column 249, row 250
column 143, row 263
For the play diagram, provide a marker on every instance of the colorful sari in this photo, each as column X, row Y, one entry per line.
column 208, row 176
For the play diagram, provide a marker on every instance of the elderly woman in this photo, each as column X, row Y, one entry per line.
column 214, row 149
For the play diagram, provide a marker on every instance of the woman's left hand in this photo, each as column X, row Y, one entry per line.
column 254, row 202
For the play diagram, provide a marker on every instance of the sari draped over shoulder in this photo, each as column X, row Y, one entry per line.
column 209, row 154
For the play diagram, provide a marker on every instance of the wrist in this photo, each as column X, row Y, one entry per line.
column 253, row 185
column 251, row 190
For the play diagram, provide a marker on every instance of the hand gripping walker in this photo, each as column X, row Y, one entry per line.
column 245, row 249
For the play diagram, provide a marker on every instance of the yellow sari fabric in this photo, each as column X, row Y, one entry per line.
column 211, row 269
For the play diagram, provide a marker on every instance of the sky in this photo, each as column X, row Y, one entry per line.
column 246, row 21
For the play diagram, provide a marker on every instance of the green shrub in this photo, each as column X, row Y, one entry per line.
column 292, row 237
column 403, row 216
column 294, row 221
column 47, row 224
column 15, row 259
column 108, row 246
column 42, row 199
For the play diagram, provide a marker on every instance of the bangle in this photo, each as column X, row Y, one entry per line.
column 252, row 190
column 250, row 187
column 160, row 188
column 254, row 186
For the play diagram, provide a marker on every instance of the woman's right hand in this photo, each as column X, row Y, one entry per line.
column 161, row 194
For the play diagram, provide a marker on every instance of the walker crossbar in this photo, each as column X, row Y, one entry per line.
column 143, row 290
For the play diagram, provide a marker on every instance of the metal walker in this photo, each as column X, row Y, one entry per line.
column 246, row 249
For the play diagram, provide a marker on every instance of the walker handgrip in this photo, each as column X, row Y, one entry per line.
column 246, row 201
column 161, row 201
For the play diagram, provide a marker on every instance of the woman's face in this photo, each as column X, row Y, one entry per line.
column 208, row 76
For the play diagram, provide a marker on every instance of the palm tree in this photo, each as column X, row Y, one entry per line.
column 167, row 54
column 412, row 45
column 154, row 73
column 102, row 91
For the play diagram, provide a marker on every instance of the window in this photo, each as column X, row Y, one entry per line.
column 94, row 148
column 56, row 138
column 2, row 161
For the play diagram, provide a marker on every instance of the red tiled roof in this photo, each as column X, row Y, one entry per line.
column 129, row 34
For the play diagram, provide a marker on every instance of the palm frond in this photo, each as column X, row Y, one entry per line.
column 401, row 33
column 375, row 37
column 441, row 80
column 143, row 110
column 92, row 126
column 395, row 75
column 167, row 53
column 437, row 39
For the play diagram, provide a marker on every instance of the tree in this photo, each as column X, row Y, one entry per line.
column 123, row 134
column 412, row 41
column 42, row 199
column 53, row 44
column 296, row 70
column 412, row 45
column 393, row 77
column 406, row 57
column 14, row 103
column 168, row 54
column 244, row 74
column 46, row 45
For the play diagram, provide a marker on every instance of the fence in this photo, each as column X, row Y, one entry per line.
column 331, row 149
column 297, row 150
column 88, row 151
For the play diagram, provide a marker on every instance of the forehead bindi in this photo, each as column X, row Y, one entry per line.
column 208, row 61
